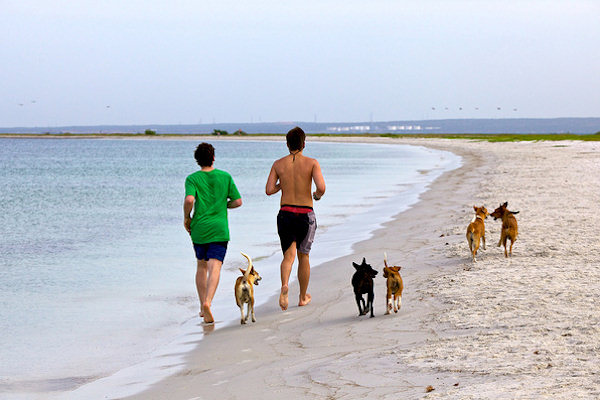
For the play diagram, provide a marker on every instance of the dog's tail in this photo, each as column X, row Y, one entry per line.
column 247, row 273
column 385, row 258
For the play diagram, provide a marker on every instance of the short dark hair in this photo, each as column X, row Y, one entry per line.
column 205, row 154
column 295, row 139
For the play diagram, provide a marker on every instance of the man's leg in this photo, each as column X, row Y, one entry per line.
column 214, row 272
column 286, row 269
column 201, row 277
column 303, row 278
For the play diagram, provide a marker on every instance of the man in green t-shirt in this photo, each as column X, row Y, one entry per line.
column 209, row 192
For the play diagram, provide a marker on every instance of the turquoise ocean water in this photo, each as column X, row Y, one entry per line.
column 97, row 272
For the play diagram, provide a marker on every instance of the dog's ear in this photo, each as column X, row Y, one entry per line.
column 475, row 208
column 385, row 274
column 505, row 204
column 242, row 271
column 364, row 261
column 396, row 268
column 355, row 265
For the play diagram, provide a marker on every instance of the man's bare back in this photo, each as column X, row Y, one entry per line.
column 293, row 175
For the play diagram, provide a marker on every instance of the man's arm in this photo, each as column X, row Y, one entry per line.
column 188, row 205
column 234, row 203
column 317, row 176
column 273, row 186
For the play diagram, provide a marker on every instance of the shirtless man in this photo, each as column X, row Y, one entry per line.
column 296, row 223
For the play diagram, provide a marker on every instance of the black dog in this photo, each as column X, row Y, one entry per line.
column 362, row 282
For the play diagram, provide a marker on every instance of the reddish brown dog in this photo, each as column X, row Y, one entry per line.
column 476, row 230
column 395, row 286
column 509, row 226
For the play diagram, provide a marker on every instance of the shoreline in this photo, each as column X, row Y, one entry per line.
column 491, row 329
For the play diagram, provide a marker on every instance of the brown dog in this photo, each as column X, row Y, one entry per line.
column 394, row 285
column 476, row 230
column 509, row 226
column 244, row 290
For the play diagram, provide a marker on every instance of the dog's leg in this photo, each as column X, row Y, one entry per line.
column 242, row 321
column 504, row 243
column 247, row 312
column 370, row 299
column 483, row 239
column 359, row 299
column 511, row 244
column 388, row 303
column 399, row 301
column 251, row 306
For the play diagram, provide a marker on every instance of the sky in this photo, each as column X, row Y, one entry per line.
column 100, row 62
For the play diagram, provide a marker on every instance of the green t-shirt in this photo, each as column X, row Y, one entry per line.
column 212, row 190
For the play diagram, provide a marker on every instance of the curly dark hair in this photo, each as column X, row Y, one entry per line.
column 295, row 139
column 205, row 154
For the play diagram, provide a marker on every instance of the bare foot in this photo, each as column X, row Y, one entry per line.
column 283, row 298
column 208, row 317
column 306, row 300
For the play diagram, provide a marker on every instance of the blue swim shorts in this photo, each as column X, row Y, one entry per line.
column 215, row 250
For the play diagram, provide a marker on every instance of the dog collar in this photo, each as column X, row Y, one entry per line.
column 479, row 216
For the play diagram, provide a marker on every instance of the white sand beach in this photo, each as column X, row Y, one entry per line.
column 527, row 327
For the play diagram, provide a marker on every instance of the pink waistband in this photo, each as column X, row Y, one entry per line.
column 297, row 209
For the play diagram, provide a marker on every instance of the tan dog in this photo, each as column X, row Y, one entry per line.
column 509, row 226
column 394, row 285
column 244, row 290
column 476, row 230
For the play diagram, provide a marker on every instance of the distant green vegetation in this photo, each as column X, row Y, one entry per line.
column 219, row 132
column 149, row 132
column 503, row 137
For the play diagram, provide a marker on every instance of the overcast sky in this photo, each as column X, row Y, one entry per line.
column 91, row 62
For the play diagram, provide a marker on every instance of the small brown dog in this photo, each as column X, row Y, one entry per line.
column 394, row 285
column 476, row 230
column 244, row 290
column 509, row 226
